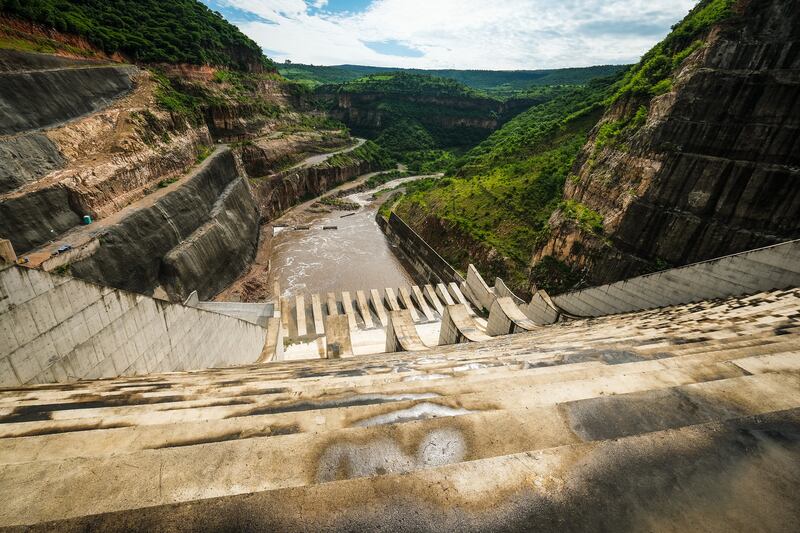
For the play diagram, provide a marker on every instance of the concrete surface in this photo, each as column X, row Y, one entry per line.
column 60, row 329
column 680, row 418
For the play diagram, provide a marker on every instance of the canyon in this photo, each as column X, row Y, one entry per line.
column 560, row 307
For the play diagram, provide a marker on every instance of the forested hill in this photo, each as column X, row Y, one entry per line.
column 496, row 81
column 148, row 31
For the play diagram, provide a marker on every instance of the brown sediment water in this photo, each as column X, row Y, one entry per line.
column 354, row 256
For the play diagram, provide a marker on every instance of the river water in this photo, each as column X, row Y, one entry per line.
column 354, row 256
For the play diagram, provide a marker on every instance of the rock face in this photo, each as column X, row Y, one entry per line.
column 26, row 158
column 38, row 99
column 277, row 193
column 451, row 120
column 714, row 170
column 199, row 236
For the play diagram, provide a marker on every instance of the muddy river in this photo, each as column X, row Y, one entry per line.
column 353, row 256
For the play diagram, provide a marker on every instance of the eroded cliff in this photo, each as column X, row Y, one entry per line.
column 199, row 235
column 707, row 167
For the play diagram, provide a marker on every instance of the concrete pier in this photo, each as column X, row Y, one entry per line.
column 285, row 307
column 441, row 291
column 333, row 308
column 458, row 327
column 476, row 289
column 459, row 296
column 430, row 292
column 316, row 309
column 506, row 318
column 300, row 301
column 337, row 337
column 391, row 299
column 347, row 302
column 423, row 305
column 401, row 334
column 405, row 296
column 363, row 308
column 380, row 310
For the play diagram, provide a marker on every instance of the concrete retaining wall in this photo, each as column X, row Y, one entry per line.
column 773, row 267
column 40, row 99
column 60, row 329
column 255, row 313
column 426, row 265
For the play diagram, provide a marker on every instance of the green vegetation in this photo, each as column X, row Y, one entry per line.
column 167, row 182
column 492, row 81
column 368, row 152
column 587, row 219
column 404, row 83
column 652, row 76
column 405, row 136
column 554, row 276
column 190, row 100
column 203, row 152
column 384, row 177
column 502, row 192
column 339, row 203
column 423, row 119
column 149, row 31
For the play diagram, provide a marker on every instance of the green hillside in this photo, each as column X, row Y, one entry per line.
column 495, row 81
column 496, row 202
column 149, row 31
column 419, row 119
column 494, row 207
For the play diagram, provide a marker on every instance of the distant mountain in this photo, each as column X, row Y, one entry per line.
column 148, row 31
column 496, row 81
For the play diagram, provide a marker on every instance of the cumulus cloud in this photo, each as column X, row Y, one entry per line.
column 499, row 34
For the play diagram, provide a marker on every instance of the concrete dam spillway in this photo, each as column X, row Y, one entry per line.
column 217, row 317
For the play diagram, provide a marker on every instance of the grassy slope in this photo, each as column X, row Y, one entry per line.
column 506, row 188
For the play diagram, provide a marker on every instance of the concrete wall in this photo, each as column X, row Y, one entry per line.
column 426, row 265
column 502, row 291
column 255, row 313
column 38, row 99
column 774, row 267
column 60, row 329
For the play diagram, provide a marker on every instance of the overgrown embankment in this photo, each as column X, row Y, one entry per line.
column 493, row 210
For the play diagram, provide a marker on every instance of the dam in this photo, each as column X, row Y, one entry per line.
column 215, row 314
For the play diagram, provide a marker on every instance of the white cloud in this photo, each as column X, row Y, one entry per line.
column 499, row 34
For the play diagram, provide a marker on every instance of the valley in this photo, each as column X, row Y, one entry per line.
column 241, row 293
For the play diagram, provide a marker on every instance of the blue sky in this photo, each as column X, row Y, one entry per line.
column 486, row 34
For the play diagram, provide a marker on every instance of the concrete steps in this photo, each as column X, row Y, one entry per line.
column 468, row 419
column 738, row 473
column 190, row 470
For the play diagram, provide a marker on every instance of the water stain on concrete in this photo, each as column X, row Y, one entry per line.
column 421, row 411
column 349, row 401
column 346, row 460
column 269, row 431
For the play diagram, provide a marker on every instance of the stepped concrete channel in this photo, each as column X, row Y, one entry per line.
column 670, row 417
